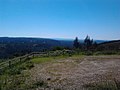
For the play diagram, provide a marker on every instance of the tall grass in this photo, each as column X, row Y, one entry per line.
column 14, row 77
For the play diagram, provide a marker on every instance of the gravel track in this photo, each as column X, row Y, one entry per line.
column 73, row 74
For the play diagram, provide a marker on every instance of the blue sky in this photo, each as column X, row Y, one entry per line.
column 99, row 19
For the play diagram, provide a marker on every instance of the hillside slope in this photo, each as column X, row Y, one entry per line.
column 111, row 45
column 10, row 47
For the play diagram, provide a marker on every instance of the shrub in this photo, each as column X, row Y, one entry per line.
column 88, row 53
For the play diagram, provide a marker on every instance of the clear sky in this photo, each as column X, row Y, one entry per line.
column 99, row 19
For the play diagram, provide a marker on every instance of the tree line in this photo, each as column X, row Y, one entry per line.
column 88, row 44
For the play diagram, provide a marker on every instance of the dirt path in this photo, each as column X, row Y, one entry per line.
column 72, row 74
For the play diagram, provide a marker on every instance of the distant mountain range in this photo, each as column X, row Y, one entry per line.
column 10, row 47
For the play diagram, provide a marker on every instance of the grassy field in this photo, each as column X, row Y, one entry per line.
column 51, row 58
column 14, row 77
column 46, row 59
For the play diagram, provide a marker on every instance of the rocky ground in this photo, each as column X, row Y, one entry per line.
column 75, row 73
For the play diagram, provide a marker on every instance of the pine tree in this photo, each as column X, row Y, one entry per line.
column 76, row 43
column 88, row 42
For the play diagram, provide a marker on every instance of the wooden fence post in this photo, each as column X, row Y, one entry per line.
column 33, row 55
column 0, row 71
column 20, row 59
column 9, row 63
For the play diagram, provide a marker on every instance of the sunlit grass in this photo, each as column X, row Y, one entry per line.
column 77, row 56
column 48, row 59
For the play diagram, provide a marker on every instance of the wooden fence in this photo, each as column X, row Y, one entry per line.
column 9, row 63
column 21, row 59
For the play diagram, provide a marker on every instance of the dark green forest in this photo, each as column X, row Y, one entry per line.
column 14, row 47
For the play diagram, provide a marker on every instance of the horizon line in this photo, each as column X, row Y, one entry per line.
column 53, row 38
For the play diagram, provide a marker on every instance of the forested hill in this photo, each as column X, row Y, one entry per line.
column 10, row 47
column 13, row 47
column 110, row 45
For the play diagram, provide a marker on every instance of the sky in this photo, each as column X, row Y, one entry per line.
column 100, row 19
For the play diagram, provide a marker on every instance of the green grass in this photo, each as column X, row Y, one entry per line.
column 47, row 59
column 77, row 56
column 13, row 78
